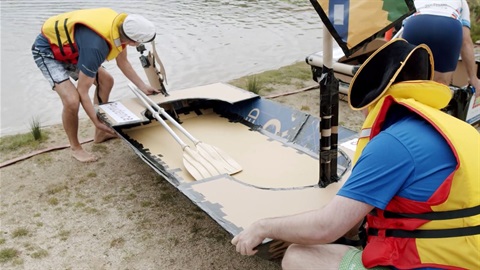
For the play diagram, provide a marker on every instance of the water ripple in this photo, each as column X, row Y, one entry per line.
column 200, row 42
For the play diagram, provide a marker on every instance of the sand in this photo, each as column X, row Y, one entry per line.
column 116, row 213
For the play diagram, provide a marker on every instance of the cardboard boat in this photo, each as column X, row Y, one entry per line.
column 278, row 148
column 463, row 104
column 291, row 161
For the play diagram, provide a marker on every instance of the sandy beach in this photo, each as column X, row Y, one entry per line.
column 116, row 213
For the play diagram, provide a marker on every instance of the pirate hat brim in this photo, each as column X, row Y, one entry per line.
column 396, row 61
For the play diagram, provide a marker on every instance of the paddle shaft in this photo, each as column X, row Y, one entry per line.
column 157, row 116
column 169, row 118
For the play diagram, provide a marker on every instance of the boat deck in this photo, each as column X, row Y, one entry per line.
column 277, row 147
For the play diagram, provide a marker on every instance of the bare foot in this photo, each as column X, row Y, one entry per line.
column 101, row 136
column 83, row 156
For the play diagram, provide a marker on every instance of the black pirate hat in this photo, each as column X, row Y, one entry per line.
column 396, row 61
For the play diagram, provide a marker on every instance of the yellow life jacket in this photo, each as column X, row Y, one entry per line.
column 444, row 231
column 60, row 31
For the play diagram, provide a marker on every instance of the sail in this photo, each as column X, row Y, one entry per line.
column 353, row 23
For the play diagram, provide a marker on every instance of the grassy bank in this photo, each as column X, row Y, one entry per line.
column 295, row 76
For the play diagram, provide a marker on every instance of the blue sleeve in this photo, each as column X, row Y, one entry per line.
column 380, row 172
column 92, row 50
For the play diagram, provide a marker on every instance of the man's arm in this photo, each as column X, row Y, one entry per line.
column 129, row 72
column 320, row 226
column 83, row 85
column 468, row 59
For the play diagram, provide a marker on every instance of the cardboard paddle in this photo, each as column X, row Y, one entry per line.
column 203, row 161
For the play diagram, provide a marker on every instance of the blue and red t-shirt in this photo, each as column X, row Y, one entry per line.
column 408, row 158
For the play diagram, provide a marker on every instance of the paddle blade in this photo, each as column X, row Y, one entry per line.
column 198, row 166
column 221, row 158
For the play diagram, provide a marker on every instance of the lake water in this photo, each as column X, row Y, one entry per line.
column 199, row 42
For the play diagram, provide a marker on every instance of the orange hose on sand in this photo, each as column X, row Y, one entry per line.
column 38, row 152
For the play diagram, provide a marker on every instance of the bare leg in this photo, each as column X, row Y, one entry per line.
column 104, row 87
column 71, row 103
column 443, row 77
column 314, row 256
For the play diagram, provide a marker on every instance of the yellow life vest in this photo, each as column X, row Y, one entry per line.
column 60, row 31
column 444, row 231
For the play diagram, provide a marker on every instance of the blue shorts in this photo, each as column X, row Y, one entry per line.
column 53, row 70
column 442, row 34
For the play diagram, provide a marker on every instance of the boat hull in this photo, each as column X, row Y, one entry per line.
column 277, row 146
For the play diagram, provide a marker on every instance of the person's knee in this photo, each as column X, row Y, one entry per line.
column 109, row 81
column 71, row 103
column 327, row 256
column 69, row 96
column 105, row 80
column 290, row 258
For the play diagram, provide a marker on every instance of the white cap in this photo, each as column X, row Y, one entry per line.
column 139, row 29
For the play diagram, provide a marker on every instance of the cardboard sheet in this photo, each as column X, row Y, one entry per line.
column 265, row 162
column 215, row 91
column 242, row 205
column 239, row 204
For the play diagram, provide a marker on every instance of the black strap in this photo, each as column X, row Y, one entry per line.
column 69, row 39
column 59, row 40
column 362, row 237
column 97, row 90
column 443, row 233
column 350, row 242
column 442, row 215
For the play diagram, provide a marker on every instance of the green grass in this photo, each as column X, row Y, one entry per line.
column 53, row 201
column 146, row 204
column 90, row 210
column 254, row 85
column 91, row 174
column 63, row 235
column 42, row 253
column 8, row 254
column 54, row 189
column 474, row 19
column 305, row 108
column 26, row 140
column 99, row 148
column 80, row 205
column 283, row 76
column 173, row 240
column 20, row 232
column 35, row 129
column 117, row 242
